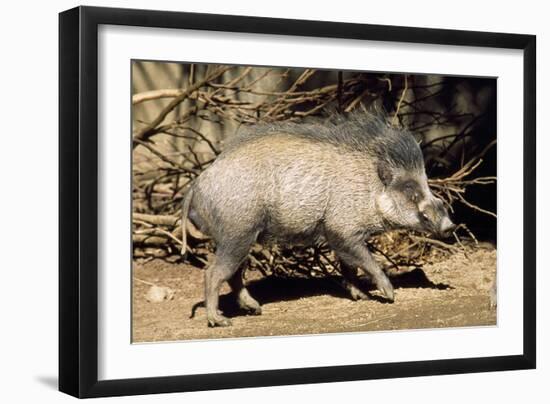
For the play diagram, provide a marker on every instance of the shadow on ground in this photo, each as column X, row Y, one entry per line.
column 274, row 289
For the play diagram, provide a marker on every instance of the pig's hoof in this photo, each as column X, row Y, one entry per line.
column 387, row 291
column 249, row 304
column 255, row 311
column 218, row 321
column 253, row 308
column 357, row 294
column 354, row 292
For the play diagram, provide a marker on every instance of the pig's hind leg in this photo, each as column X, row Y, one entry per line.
column 229, row 256
column 246, row 302
column 351, row 282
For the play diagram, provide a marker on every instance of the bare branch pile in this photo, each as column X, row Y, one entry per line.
column 188, row 129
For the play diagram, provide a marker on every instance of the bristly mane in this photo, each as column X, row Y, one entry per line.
column 358, row 132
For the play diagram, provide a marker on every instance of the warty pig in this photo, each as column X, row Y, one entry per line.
column 338, row 182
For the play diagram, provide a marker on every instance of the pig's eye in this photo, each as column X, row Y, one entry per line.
column 424, row 216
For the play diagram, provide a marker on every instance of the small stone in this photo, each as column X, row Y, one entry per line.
column 157, row 294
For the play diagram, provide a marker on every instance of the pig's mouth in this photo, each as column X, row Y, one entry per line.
column 446, row 228
column 438, row 232
column 443, row 233
column 442, row 228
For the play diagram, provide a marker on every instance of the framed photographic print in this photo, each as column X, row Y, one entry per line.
column 251, row 201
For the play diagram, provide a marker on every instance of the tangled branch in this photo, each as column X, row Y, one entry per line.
column 172, row 149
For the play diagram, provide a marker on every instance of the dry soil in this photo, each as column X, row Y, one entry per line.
column 451, row 293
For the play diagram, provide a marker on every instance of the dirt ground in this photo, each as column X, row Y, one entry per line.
column 450, row 293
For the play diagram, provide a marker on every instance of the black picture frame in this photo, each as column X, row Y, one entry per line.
column 78, row 201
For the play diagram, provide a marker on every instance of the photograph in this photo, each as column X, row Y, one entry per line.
column 283, row 201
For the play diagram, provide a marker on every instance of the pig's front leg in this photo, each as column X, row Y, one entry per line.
column 354, row 254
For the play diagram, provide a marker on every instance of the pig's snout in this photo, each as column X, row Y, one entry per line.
column 446, row 227
column 435, row 218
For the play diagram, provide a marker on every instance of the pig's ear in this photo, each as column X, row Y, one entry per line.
column 385, row 174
